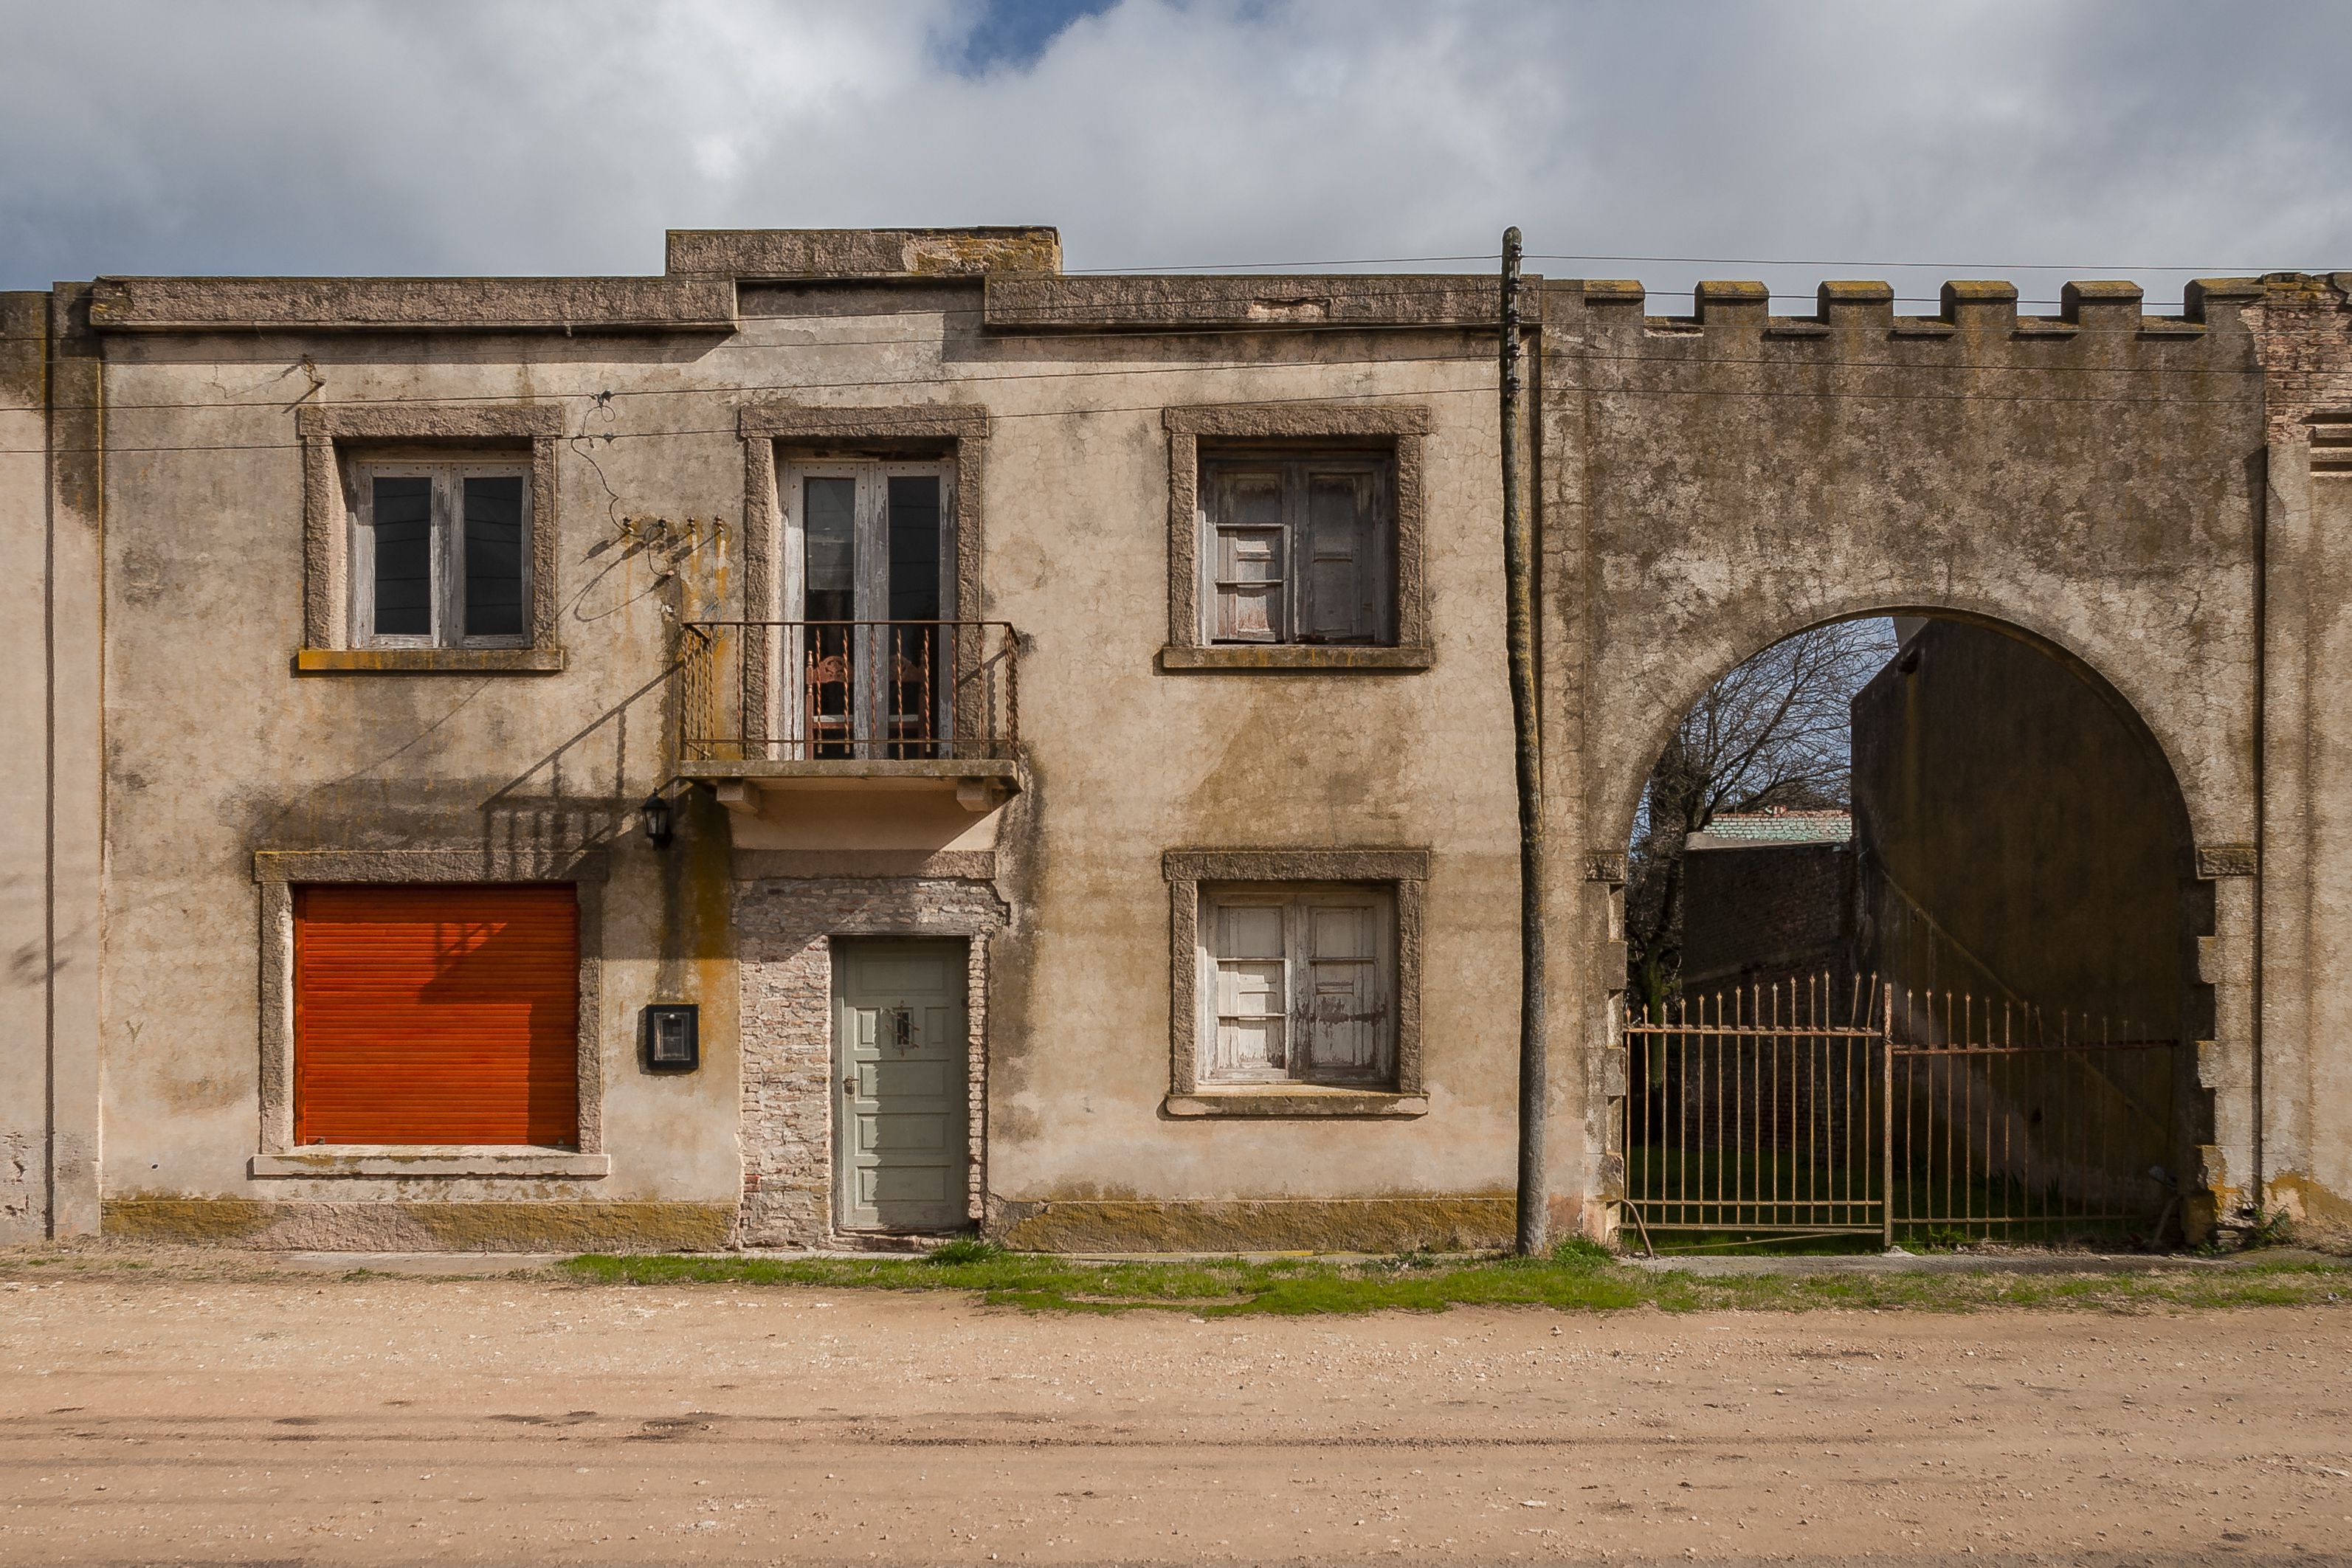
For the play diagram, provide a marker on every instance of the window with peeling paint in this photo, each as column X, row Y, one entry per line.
column 1297, row 545
column 1299, row 985
column 440, row 555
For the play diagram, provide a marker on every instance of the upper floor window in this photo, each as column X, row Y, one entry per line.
column 441, row 555
column 1297, row 546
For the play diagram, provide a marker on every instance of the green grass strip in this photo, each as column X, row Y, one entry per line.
column 1577, row 1279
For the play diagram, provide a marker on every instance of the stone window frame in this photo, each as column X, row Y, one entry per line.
column 329, row 437
column 958, row 431
column 1398, row 427
column 1405, row 871
column 280, row 872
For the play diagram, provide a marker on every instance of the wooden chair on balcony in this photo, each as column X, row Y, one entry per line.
column 911, row 720
column 832, row 734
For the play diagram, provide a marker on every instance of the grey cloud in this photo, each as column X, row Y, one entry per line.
column 508, row 137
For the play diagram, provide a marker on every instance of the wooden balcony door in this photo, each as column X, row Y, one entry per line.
column 867, row 585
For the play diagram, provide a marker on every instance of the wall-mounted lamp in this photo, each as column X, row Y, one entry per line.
column 656, row 817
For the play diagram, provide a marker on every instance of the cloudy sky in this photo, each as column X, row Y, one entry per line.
column 1978, row 138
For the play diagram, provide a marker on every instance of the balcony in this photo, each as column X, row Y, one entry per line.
column 771, row 708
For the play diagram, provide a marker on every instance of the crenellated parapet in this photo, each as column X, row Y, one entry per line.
column 1860, row 354
column 1975, row 308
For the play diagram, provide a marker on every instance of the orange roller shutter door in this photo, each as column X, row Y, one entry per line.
column 436, row 1015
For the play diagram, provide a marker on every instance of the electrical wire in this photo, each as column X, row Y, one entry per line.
column 2207, row 269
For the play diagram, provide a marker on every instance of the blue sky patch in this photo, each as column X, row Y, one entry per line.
column 1014, row 32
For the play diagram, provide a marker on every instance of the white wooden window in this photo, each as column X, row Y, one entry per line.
column 1297, row 546
column 440, row 555
column 1299, row 984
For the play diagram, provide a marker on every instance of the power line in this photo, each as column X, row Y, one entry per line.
column 1254, row 266
column 2207, row 269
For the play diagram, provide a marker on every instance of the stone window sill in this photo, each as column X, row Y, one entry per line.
column 1295, row 656
column 405, row 1161
column 428, row 660
column 1296, row 1102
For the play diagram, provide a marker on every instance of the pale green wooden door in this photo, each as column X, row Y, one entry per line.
column 903, row 1145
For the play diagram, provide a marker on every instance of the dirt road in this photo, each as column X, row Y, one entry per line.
column 400, row 1421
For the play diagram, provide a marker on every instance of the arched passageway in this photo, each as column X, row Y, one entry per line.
column 1910, row 916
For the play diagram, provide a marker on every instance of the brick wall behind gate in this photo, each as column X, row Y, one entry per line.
column 786, row 928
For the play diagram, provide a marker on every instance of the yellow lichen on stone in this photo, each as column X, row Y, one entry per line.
column 184, row 1221
column 1468, row 1223
column 400, row 1227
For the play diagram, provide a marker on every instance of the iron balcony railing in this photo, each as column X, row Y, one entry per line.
column 816, row 691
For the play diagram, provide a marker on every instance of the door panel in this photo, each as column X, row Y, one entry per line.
column 903, row 1146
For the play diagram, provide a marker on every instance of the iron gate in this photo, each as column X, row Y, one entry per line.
column 1810, row 1107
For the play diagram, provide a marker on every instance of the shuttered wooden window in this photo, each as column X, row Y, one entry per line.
column 441, row 556
column 436, row 1015
column 1301, row 984
column 1298, row 547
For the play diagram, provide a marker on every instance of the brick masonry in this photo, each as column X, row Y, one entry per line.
column 786, row 928
column 2304, row 330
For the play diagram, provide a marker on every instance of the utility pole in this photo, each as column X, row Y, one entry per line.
column 1526, row 729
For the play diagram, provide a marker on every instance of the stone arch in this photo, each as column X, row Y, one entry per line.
column 2215, row 915
column 1618, row 790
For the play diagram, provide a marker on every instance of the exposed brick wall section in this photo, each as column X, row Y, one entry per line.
column 787, row 927
column 2303, row 325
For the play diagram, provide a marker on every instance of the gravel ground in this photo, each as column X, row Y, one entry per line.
column 289, row 1418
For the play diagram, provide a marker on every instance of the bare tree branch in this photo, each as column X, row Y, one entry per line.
column 1775, row 731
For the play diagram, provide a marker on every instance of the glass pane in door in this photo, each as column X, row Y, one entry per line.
column 916, row 647
column 829, row 601
column 830, row 523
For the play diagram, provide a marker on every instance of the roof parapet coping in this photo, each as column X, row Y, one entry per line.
column 1852, row 302
column 564, row 305
column 1980, row 302
column 2304, row 283
column 2213, row 301
column 1614, row 291
column 1735, row 301
column 2107, row 303
column 1850, row 291
column 1041, row 303
column 792, row 255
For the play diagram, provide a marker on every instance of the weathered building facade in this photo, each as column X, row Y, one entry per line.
column 1077, row 714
